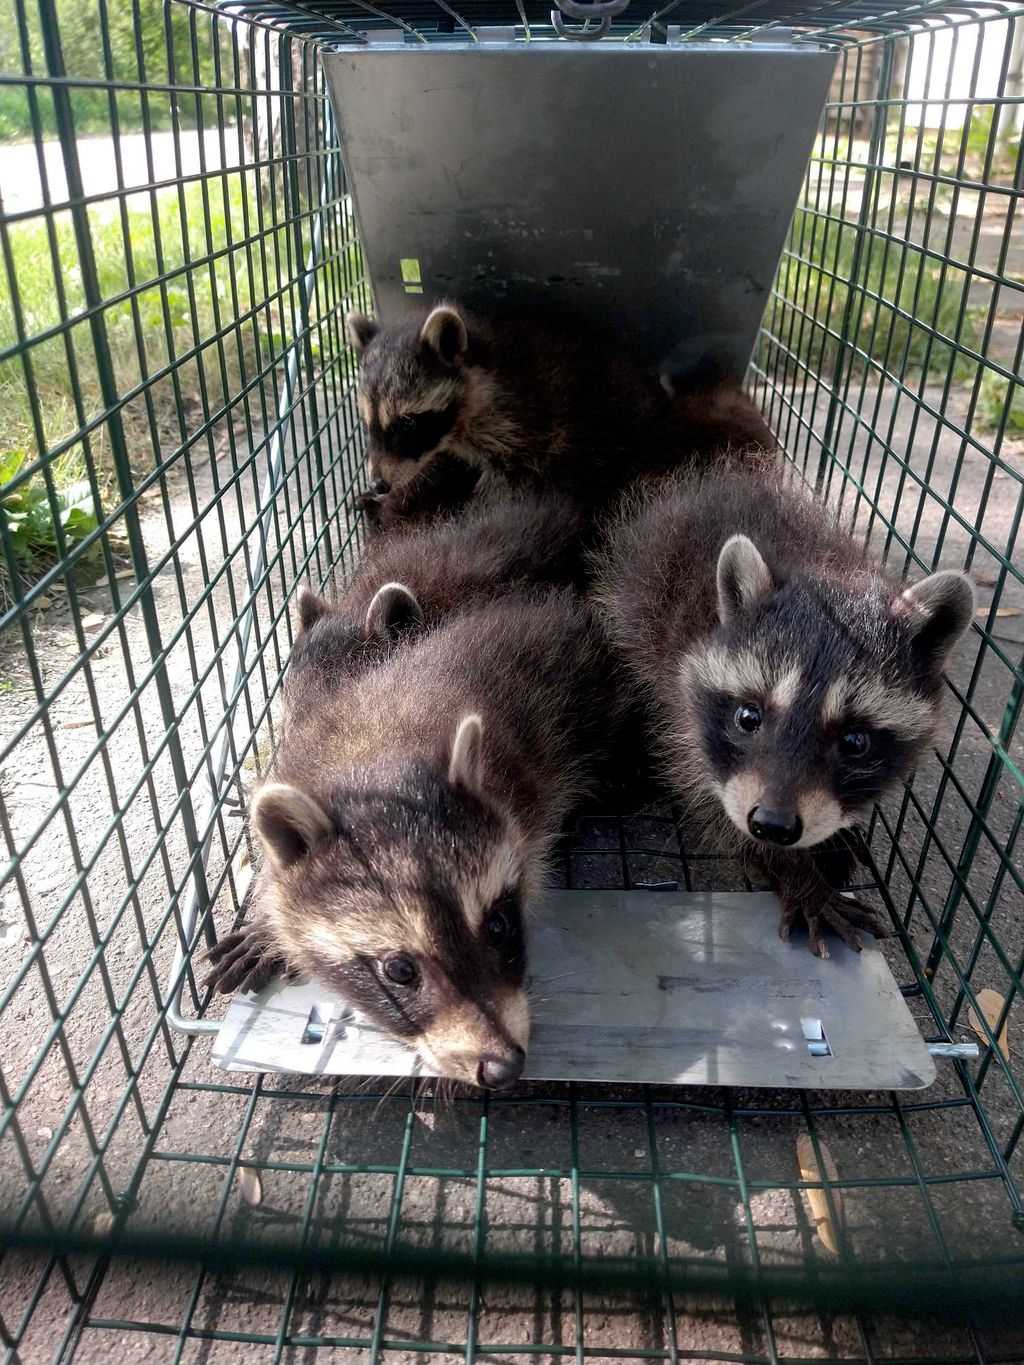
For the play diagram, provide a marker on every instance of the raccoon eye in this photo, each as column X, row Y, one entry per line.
column 404, row 423
column 497, row 927
column 748, row 718
column 854, row 743
column 400, row 970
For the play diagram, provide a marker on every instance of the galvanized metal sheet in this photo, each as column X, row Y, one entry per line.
column 645, row 189
column 633, row 986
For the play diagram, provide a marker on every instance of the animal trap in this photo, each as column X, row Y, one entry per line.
column 683, row 988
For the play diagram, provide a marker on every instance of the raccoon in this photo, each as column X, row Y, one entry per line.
column 420, row 575
column 408, row 822
column 791, row 682
column 710, row 418
column 456, row 406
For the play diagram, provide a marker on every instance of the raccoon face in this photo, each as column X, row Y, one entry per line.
column 331, row 642
column 412, row 391
column 816, row 695
column 408, row 895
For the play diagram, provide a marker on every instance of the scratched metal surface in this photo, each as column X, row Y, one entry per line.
column 640, row 189
column 688, row 988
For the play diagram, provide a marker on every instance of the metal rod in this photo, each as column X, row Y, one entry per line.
column 271, row 484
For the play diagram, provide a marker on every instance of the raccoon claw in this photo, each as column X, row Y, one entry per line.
column 370, row 503
column 243, row 961
column 844, row 915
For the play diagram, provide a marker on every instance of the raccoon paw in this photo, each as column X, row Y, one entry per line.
column 243, row 961
column 844, row 915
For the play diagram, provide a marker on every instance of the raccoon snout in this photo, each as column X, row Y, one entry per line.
column 498, row 1073
column 775, row 827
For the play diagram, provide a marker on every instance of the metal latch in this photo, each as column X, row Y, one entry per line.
column 604, row 11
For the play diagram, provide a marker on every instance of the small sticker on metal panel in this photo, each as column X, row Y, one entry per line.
column 411, row 277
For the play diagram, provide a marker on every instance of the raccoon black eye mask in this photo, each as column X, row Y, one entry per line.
column 793, row 683
column 415, row 434
column 415, row 953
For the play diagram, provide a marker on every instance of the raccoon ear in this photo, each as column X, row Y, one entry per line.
column 445, row 333
column 311, row 608
column 743, row 577
column 288, row 823
column 464, row 767
column 361, row 330
column 938, row 609
column 392, row 609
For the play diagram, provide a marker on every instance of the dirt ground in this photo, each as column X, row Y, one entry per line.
column 108, row 1107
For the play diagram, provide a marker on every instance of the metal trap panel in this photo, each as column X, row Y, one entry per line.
column 647, row 987
column 647, row 190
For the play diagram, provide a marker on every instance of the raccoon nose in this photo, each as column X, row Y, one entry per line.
column 774, row 827
column 497, row 1073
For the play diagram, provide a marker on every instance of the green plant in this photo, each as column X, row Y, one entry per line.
column 53, row 377
column 1000, row 405
column 893, row 305
column 196, row 286
column 44, row 520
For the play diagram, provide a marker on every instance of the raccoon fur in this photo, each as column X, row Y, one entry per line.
column 791, row 682
column 455, row 407
column 408, row 821
column 416, row 577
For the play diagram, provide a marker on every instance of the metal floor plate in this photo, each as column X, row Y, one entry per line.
column 645, row 987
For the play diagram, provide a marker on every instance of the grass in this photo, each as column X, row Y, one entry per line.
column 893, row 308
column 173, row 308
column 192, row 279
column 999, row 410
column 91, row 111
column 897, row 310
column 50, row 386
column 872, row 305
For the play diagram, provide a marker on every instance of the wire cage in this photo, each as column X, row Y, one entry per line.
column 178, row 452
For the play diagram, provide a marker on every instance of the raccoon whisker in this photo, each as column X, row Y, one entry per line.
column 547, row 980
column 353, row 1085
column 395, row 1085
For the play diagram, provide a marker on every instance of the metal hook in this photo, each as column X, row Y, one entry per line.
column 602, row 10
column 591, row 9
column 579, row 35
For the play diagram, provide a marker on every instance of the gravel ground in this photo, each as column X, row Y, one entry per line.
column 181, row 1105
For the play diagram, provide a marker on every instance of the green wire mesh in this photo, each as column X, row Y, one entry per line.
column 179, row 449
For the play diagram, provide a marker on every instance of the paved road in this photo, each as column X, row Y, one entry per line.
column 21, row 188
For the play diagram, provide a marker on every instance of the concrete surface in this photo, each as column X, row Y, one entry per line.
column 21, row 177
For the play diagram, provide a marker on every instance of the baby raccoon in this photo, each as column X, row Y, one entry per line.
column 713, row 418
column 456, row 407
column 792, row 682
column 408, row 822
column 415, row 578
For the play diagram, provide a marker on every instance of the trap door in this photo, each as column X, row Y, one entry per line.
column 645, row 190
column 682, row 988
